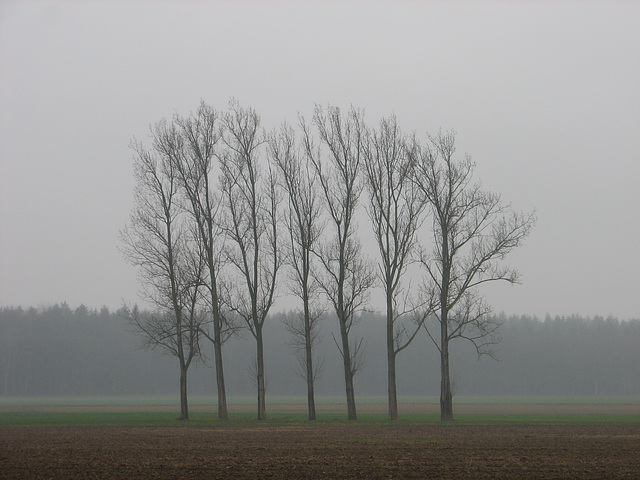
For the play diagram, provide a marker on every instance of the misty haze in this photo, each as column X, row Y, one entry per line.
column 79, row 352
column 327, row 239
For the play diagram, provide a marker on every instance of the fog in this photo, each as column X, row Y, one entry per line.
column 79, row 352
column 545, row 97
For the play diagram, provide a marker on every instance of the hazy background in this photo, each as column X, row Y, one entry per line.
column 545, row 96
column 78, row 352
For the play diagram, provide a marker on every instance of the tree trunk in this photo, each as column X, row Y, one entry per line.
column 351, row 398
column 393, row 397
column 310, row 396
column 184, row 405
column 222, row 394
column 217, row 344
column 308, row 347
column 391, row 364
column 446, row 396
column 348, row 373
column 262, row 411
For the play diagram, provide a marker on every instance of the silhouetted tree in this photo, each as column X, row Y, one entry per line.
column 395, row 207
column 303, row 222
column 473, row 232
column 190, row 143
column 170, row 265
column 251, row 225
column 347, row 275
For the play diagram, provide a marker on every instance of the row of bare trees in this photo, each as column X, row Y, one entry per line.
column 224, row 210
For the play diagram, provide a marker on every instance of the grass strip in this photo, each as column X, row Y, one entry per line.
column 207, row 418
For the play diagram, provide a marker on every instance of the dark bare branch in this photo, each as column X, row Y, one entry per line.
column 251, row 220
column 345, row 277
column 473, row 232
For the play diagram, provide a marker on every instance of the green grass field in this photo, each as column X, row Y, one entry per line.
column 164, row 410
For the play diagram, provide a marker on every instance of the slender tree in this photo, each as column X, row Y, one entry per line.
column 395, row 208
column 250, row 203
column 158, row 241
column 473, row 232
column 191, row 143
column 347, row 275
column 304, row 227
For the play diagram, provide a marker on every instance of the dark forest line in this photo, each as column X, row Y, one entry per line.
column 62, row 351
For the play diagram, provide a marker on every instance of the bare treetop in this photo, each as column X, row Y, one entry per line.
column 479, row 229
column 473, row 232
column 251, row 224
column 160, row 243
column 347, row 275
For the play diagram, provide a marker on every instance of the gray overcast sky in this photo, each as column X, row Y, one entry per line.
column 545, row 97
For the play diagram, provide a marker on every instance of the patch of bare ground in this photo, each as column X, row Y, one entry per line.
column 321, row 451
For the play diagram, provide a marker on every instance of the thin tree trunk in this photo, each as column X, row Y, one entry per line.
column 348, row 374
column 184, row 405
column 351, row 399
column 393, row 396
column 446, row 396
column 311, row 399
column 222, row 394
column 310, row 394
column 217, row 337
column 391, row 364
column 262, row 411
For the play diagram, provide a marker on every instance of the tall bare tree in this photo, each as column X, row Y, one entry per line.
column 251, row 201
column 190, row 143
column 395, row 208
column 158, row 241
column 304, row 227
column 473, row 232
column 347, row 275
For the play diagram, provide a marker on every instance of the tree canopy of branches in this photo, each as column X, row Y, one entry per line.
column 250, row 201
column 205, row 234
column 347, row 275
column 395, row 208
column 190, row 143
column 473, row 231
column 158, row 241
column 303, row 222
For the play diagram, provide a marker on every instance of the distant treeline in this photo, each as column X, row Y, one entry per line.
column 62, row 351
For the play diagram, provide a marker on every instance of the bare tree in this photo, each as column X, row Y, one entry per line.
column 304, row 227
column 473, row 232
column 395, row 209
column 158, row 241
column 347, row 275
column 251, row 224
column 190, row 143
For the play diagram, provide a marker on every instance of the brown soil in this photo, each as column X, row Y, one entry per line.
column 321, row 451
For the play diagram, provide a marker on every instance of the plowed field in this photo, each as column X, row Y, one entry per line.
column 321, row 451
